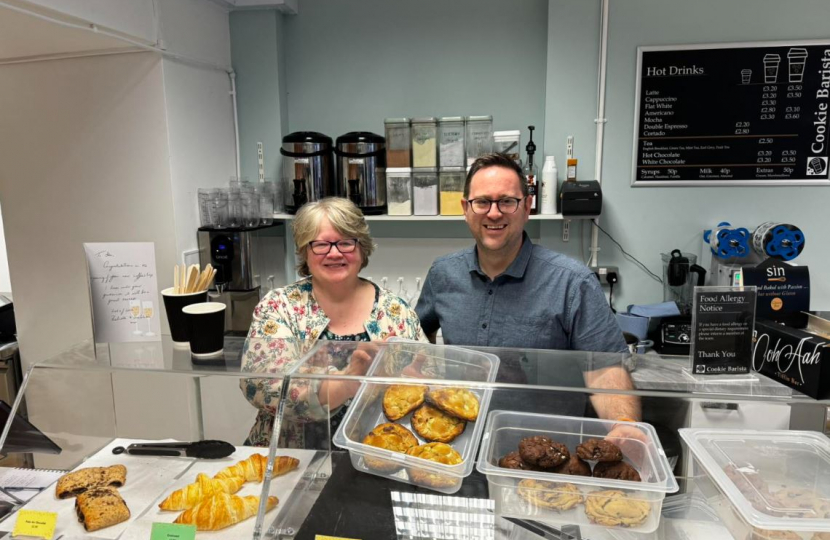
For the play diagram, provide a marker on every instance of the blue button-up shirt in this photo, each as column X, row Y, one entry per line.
column 544, row 300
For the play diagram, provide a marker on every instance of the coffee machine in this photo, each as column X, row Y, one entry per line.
column 361, row 170
column 248, row 263
column 307, row 168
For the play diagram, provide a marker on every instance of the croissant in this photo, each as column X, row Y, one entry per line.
column 222, row 510
column 253, row 468
column 202, row 488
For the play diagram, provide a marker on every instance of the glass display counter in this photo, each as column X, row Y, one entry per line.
column 94, row 398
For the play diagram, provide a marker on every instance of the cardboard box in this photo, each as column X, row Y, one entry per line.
column 795, row 357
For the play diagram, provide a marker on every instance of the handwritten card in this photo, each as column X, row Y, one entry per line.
column 124, row 291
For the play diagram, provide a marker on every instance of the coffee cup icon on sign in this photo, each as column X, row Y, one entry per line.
column 798, row 60
column 746, row 76
column 771, row 62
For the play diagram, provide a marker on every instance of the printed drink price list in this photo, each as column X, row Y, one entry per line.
column 732, row 114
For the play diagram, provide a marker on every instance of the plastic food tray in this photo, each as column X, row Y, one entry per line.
column 461, row 368
column 504, row 431
column 764, row 484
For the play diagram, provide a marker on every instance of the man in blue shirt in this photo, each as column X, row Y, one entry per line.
column 507, row 292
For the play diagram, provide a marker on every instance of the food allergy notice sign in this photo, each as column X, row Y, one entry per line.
column 732, row 114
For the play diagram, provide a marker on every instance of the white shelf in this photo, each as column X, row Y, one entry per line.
column 537, row 217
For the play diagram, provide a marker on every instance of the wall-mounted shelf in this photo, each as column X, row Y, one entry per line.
column 538, row 217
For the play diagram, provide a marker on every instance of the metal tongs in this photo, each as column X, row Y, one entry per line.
column 200, row 449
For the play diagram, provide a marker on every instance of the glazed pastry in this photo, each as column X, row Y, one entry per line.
column 553, row 495
column 392, row 437
column 458, row 402
column 514, row 461
column 574, row 466
column 204, row 486
column 75, row 483
column 599, row 450
column 614, row 508
column 222, row 510
column 543, row 452
column 616, row 470
column 101, row 507
column 439, row 453
column 253, row 468
column 401, row 399
column 435, row 425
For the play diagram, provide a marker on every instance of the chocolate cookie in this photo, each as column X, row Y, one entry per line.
column 599, row 450
column 543, row 452
column 574, row 466
column 514, row 461
column 616, row 470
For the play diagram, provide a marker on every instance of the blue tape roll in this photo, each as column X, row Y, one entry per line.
column 785, row 242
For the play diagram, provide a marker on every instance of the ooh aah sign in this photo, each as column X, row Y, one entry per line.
column 791, row 356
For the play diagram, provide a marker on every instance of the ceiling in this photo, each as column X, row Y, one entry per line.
column 24, row 36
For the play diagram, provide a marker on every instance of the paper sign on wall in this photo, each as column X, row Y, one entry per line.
column 124, row 291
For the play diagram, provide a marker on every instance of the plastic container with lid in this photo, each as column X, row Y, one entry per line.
column 479, row 137
column 398, row 142
column 399, row 191
column 425, row 191
column 424, row 142
column 461, row 368
column 451, row 187
column 764, row 484
column 502, row 435
column 509, row 142
column 451, row 141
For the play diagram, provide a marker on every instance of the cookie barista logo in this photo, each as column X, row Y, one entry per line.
column 817, row 161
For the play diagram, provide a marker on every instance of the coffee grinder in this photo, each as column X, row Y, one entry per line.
column 248, row 263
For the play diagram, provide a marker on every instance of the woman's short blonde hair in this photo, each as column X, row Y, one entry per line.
column 344, row 216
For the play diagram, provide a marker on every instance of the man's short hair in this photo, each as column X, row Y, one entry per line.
column 495, row 159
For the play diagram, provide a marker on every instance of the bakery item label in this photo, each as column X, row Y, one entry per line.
column 37, row 524
column 172, row 531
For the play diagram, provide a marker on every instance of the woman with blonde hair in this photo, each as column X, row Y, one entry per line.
column 330, row 302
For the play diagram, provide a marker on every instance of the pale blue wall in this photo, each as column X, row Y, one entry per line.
column 350, row 63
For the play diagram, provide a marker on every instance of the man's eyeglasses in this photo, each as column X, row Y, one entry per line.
column 506, row 205
column 321, row 247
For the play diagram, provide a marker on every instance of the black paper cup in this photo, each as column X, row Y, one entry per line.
column 205, row 324
column 173, row 304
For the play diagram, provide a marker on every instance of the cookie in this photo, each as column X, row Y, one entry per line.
column 613, row 508
column 401, row 399
column 821, row 536
column 763, row 534
column 458, row 402
column 439, row 453
column 795, row 498
column 101, row 507
column 552, row 495
column 574, row 466
column 543, row 452
column 392, row 437
column 77, row 482
column 599, row 450
column 435, row 425
column 616, row 470
column 514, row 461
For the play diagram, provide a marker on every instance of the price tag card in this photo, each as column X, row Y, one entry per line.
column 324, row 537
column 37, row 524
column 722, row 325
column 172, row 531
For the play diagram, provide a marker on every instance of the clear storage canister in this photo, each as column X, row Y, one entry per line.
column 219, row 208
column 424, row 142
column 235, row 214
column 399, row 191
column 425, row 191
column 205, row 219
column 479, row 137
column 508, row 142
column 398, row 142
column 451, row 186
column 451, row 141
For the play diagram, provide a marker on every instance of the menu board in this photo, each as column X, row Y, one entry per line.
column 732, row 114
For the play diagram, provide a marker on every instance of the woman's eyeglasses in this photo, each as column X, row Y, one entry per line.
column 321, row 247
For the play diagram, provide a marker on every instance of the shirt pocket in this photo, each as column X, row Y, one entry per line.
column 537, row 332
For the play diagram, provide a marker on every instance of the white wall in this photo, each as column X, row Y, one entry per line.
column 133, row 17
column 200, row 127
column 5, row 279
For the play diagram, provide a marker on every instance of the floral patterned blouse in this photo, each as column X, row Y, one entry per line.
column 286, row 324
